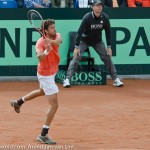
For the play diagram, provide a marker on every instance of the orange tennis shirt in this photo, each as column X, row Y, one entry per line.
column 49, row 65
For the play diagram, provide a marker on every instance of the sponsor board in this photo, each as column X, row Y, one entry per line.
column 83, row 77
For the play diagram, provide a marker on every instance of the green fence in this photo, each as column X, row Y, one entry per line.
column 130, row 39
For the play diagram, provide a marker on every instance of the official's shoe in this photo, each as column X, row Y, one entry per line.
column 14, row 104
column 45, row 140
column 118, row 83
column 66, row 83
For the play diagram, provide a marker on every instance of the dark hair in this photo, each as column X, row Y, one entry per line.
column 47, row 23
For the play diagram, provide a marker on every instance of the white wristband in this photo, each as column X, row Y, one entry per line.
column 46, row 52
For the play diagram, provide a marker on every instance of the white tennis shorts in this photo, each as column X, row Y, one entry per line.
column 47, row 83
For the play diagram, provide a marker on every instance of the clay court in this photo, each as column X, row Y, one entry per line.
column 88, row 118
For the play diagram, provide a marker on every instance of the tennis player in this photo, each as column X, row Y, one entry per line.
column 47, row 53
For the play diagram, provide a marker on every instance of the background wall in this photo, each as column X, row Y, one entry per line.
column 130, row 39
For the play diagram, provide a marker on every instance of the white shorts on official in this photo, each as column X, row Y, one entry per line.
column 47, row 83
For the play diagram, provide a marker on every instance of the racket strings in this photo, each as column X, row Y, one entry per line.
column 35, row 20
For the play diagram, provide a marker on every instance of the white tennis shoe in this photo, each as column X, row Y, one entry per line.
column 66, row 83
column 118, row 83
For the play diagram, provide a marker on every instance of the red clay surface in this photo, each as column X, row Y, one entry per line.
column 88, row 118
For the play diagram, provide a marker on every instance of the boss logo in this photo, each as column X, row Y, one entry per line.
column 87, row 77
column 83, row 78
column 96, row 26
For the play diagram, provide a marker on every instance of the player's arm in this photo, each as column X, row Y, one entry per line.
column 42, row 55
column 56, row 41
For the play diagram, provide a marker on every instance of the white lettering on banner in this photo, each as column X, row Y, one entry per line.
column 98, row 76
column 91, row 76
column 130, row 44
column 83, row 76
column 86, row 76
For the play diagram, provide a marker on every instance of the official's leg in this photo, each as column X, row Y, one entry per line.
column 73, row 65
column 101, row 50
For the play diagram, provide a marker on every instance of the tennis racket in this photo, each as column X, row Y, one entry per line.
column 36, row 21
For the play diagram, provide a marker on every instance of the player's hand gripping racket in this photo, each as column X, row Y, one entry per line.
column 36, row 21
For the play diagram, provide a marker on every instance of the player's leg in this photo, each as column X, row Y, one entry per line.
column 53, row 106
column 50, row 89
column 73, row 65
column 53, row 102
column 17, row 103
column 101, row 50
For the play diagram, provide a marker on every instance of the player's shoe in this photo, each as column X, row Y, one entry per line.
column 66, row 83
column 45, row 140
column 14, row 104
column 118, row 83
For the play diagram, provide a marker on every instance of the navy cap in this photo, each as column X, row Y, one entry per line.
column 96, row 2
